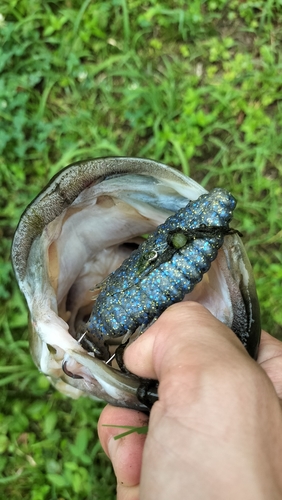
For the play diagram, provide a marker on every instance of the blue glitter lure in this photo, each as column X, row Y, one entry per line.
column 161, row 271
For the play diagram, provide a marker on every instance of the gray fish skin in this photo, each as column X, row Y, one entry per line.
column 158, row 274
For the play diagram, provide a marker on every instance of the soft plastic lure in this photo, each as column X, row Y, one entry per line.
column 161, row 271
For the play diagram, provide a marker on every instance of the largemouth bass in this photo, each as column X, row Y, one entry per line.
column 80, row 229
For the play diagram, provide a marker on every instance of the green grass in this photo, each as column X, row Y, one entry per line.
column 196, row 87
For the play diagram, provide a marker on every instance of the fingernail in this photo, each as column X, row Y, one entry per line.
column 112, row 448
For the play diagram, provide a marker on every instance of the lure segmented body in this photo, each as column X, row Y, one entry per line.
column 162, row 270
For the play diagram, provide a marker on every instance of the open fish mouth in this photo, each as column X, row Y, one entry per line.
column 83, row 225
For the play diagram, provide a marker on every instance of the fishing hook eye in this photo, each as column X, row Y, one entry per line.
column 153, row 257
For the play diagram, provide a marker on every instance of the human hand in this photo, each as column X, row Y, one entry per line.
column 216, row 431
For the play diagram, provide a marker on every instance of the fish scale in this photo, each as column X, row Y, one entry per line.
column 157, row 274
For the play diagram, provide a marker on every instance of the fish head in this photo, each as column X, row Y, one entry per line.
column 79, row 229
